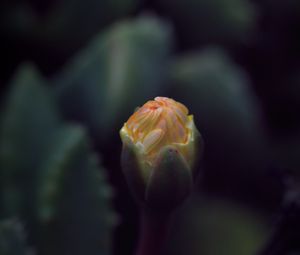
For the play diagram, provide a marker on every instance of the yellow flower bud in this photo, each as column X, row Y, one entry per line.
column 158, row 123
column 160, row 144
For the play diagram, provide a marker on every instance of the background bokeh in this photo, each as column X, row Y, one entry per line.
column 73, row 71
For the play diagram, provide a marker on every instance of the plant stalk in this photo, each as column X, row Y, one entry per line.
column 153, row 233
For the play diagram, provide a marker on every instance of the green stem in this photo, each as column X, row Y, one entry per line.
column 153, row 233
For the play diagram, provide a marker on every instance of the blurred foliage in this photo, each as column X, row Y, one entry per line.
column 12, row 239
column 126, row 65
column 60, row 26
column 50, row 179
column 234, row 64
column 213, row 226
column 225, row 110
column 223, row 98
column 217, row 21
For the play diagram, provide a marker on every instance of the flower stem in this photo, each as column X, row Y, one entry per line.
column 153, row 233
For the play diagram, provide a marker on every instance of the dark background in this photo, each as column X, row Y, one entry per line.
column 235, row 64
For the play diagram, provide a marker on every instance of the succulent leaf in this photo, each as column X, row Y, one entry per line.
column 125, row 65
column 29, row 121
column 75, row 209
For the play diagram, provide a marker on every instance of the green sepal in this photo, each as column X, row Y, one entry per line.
column 193, row 149
column 133, row 170
column 198, row 148
column 170, row 181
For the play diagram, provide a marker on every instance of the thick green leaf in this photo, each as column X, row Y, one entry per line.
column 12, row 239
column 54, row 169
column 50, row 177
column 74, row 207
column 30, row 119
column 118, row 71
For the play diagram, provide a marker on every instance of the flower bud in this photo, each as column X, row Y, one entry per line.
column 160, row 145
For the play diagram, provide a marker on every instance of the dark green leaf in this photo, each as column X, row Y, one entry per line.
column 30, row 119
column 74, row 200
column 115, row 73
